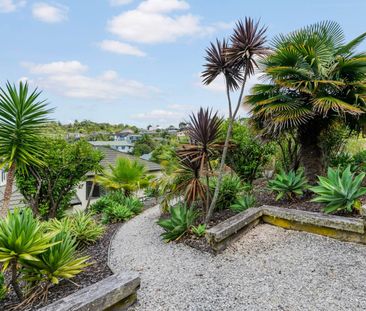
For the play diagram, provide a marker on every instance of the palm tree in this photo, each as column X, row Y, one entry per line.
column 22, row 116
column 314, row 79
column 127, row 175
column 236, row 62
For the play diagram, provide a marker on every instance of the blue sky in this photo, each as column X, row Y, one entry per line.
column 138, row 62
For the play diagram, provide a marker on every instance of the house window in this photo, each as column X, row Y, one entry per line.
column 98, row 191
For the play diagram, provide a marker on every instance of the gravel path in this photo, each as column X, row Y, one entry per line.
column 269, row 268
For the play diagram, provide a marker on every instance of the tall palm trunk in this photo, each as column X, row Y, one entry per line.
column 232, row 116
column 311, row 154
column 8, row 190
column 90, row 195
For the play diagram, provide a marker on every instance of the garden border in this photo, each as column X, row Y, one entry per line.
column 337, row 227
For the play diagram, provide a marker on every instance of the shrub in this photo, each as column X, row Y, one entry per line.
column 230, row 189
column 242, row 204
column 342, row 160
column 288, row 185
column 3, row 288
column 85, row 229
column 199, row 231
column 100, row 205
column 60, row 261
column 117, row 213
column 359, row 161
column 340, row 190
column 180, row 221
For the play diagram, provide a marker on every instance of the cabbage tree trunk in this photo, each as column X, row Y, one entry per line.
column 8, row 190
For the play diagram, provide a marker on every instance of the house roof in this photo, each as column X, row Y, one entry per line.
column 111, row 155
column 116, row 143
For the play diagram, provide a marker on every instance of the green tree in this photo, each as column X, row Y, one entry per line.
column 144, row 145
column 125, row 175
column 315, row 79
column 22, row 116
column 50, row 188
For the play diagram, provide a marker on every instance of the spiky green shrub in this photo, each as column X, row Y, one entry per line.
column 60, row 261
column 339, row 190
column 101, row 204
column 288, row 185
column 199, row 231
column 230, row 190
column 181, row 220
column 85, row 229
column 3, row 288
column 243, row 203
column 117, row 213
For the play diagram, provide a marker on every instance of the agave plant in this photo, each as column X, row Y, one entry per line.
column 243, row 203
column 60, row 261
column 315, row 79
column 340, row 190
column 181, row 220
column 288, row 185
column 200, row 230
column 236, row 62
column 22, row 239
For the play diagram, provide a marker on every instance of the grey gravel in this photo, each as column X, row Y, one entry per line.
column 269, row 268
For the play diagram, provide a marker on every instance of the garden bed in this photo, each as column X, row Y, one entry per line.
column 92, row 274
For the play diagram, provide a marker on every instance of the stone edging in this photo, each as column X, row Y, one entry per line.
column 338, row 227
column 116, row 292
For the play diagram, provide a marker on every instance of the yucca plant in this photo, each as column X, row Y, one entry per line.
column 22, row 116
column 199, row 231
column 340, row 190
column 22, row 239
column 60, row 261
column 181, row 220
column 288, row 185
column 243, row 203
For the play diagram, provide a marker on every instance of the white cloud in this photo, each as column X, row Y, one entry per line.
column 161, row 116
column 120, row 48
column 119, row 2
column 48, row 13
column 151, row 22
column 162, row 6
column 7, row 6
column 70, row 79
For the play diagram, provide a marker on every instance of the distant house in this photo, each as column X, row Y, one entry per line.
column 110, row 157
column 123, row 134
column 119, row 145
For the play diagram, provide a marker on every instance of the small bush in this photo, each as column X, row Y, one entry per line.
column 199, row 231
column 101, row 205
column 340, row 190
column 181, row 220
column 242, row 204
column 288, row 185
column 342, row 160
column 134, row 205
column 230, row 190
column 85, row 229
column 3, row 289
column 117, row 213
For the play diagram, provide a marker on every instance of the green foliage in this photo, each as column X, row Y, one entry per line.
column 115, row 207
column 231, row 189
column 342, row 160
column 35, row 253
column 359, row 161
column 199, row 231
column 22, row 116
column 243, row 203
column 144, row 145
column 126, row 175
column 49, row 189
column 117, row 213
column 340, row 190
column 60, row 261
column 3, row 288
column 85, row 229
column 248, row 155
column 181, row 220
column 288, row 185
